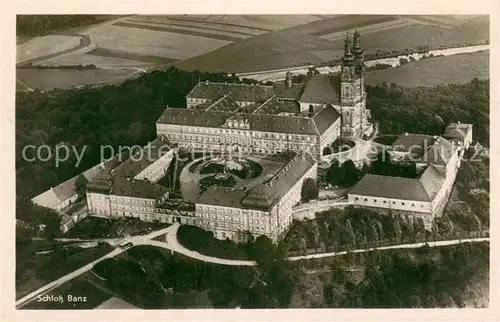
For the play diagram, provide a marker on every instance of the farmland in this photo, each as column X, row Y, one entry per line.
column 45, row 46
column 232, row 43
column 47, row 79
column 309, row 44
column 440, row 70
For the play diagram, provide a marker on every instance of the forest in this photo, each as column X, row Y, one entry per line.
column 428, row 110
column 424, row 277
column 37, row 25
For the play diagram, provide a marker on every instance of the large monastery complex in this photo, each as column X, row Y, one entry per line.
column 277, row 134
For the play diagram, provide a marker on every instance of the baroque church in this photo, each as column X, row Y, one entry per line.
column 263, row 119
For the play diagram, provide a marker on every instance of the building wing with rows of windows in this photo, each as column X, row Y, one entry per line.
column 438, row 161
column 260, row 119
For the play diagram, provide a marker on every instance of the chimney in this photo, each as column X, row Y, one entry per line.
column 406, row 133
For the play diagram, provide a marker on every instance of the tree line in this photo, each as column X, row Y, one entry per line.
column 36, row 25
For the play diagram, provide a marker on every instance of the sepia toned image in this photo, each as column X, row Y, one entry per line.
column 252, row 161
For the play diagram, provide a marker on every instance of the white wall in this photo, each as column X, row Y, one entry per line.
column 387, row 203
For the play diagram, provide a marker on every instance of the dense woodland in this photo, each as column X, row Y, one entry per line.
column 423, row 277
column 429, row 109
column 36, row 25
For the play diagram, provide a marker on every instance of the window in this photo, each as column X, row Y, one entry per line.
column 366, row 199
column 403, row 203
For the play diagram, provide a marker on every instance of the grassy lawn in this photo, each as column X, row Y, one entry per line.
column 202, row 241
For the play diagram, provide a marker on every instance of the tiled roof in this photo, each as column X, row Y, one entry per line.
column 226, row 104
column 221, row 196
column 432, row 180
column 258, row 122
column 440, row 152
column 457, row 131
column 137, row 188
column 293, row 92
column 322, row 89
column 142, row 159
column 264, row 195
column 424, row 188
column 276, row 106
column 325, row 118
column 239, row 92
column 66, row 190
column 414, row 143
column 57, row 195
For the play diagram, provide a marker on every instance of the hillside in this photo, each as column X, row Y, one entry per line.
column 322, row 41
column 436, row 71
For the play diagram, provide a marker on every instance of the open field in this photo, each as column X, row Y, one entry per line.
column 185, row 30
column 301, row 45
column 47, row 79
column 258, row 22
column 46, row 46
column 152, row 42
column 440, row 70
column 98, row 58
column 165, row 21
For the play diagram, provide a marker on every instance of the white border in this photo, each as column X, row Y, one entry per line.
column 7, row 82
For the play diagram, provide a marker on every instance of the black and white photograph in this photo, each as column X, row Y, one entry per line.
column 252, row 161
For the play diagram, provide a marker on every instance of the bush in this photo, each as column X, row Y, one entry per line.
column 204, row 242
column 310, row 189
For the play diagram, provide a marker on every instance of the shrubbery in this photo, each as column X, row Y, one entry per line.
column 204, row 242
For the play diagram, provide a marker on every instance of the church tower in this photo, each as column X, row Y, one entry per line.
column 353, row 96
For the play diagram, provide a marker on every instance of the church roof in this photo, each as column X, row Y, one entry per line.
column 322, row 89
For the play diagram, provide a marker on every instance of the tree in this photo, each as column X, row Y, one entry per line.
column 263, row 250
column 352, row 173
column 333, row 174
column 351, row 238
column 81, row 184
column 374, row 234
column 310, row 189
column 397, row 231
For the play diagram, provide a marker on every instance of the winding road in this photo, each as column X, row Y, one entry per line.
column 171, row 243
